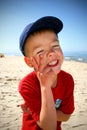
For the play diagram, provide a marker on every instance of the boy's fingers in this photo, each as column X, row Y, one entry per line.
column 34, row 63
column 42, row 64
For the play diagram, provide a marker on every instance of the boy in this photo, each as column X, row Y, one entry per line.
column 47, row 91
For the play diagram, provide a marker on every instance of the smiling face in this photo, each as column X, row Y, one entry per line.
column 45, row 44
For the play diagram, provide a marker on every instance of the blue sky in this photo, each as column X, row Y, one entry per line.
column 16, row 14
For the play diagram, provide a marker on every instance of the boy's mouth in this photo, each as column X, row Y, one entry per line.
column 53, row 63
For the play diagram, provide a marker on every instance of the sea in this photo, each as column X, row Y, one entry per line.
column 80, row 56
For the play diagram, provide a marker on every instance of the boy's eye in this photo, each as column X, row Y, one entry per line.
column 40, row 52
column 56, row 47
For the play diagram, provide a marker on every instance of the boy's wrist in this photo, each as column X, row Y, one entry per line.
column 45, row 88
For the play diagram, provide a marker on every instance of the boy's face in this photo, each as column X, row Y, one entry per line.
column 45, row 46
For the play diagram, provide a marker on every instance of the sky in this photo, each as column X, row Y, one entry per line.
column 16, row 14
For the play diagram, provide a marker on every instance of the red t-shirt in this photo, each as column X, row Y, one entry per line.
column 29, row 88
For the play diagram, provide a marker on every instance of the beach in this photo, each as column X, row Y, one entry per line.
column 13, row 69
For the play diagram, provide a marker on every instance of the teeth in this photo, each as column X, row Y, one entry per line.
column 53, row 62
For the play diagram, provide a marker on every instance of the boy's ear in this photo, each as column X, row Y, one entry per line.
column 28, row 62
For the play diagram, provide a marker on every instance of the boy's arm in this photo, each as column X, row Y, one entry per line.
column 48, row 118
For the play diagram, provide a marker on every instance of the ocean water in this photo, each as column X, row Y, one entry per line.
column 76, row 56
column 80, row 56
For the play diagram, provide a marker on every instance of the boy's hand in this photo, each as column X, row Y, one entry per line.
column 44, row 73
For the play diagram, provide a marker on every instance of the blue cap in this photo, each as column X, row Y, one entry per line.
column 48, row 22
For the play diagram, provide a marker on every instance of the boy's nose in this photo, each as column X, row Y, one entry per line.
column 51, row 54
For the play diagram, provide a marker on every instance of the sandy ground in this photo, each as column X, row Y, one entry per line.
column 13, row 68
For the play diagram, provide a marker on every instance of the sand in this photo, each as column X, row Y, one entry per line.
column 13, row 68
